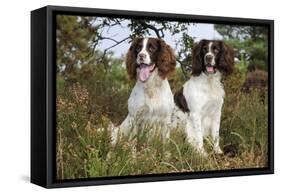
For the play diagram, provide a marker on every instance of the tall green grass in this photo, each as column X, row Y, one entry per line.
column 83, row 134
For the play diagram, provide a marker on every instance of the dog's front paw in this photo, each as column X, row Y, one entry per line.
column 202, row 152
column 114, row 135
column 218, row 150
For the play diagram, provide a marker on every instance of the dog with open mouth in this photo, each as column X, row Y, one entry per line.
column 149, row 62
column 199, row 102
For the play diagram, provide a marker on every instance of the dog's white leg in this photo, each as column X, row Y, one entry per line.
column 121, row 130
column 167, row 136
column 167, row 127
column 166, row 133
column 126, row 125
column 215, row 132
column 195, row 134
column 114, row 135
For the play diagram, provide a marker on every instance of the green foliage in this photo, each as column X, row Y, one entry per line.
column 74, row 38
column 246, row 129
column 84, row 149
column 177, row 79
column 250, row 44
column 108, row 90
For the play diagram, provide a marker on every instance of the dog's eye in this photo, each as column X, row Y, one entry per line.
column 205, row 49
column 151, row 48
column 138, row 49
column 216, row 50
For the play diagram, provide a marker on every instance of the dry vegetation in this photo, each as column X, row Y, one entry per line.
column 86, row 110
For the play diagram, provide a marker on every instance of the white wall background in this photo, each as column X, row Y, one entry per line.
column 15, row 94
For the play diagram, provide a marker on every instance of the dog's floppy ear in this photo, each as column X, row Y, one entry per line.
column 166, row 60
column 180, row 101
column 131, row 57
column 197, row 59
column 226, row 62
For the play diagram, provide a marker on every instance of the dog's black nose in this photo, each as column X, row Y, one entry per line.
column 142, row 56
column 209, row 58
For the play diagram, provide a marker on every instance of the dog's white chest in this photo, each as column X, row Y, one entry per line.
column 204, row 92
column 213, row 89
column 151, row 102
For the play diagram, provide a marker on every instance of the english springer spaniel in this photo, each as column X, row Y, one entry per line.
column 199, row 102
column 149, row 62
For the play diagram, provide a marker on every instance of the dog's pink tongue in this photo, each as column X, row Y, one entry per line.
column 210, row 69
column 145, row 72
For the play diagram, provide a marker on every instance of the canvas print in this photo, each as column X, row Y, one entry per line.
column 141, row 97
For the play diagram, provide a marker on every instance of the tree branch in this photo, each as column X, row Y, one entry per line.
column 184, row 68
column 112, row 46
column 157, row 31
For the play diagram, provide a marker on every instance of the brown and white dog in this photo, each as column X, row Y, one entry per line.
column 199, row 102
column 149, row 62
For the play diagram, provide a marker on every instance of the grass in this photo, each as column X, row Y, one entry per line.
column 83, row 137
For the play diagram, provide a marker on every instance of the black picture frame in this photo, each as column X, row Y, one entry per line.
column 43, row 93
